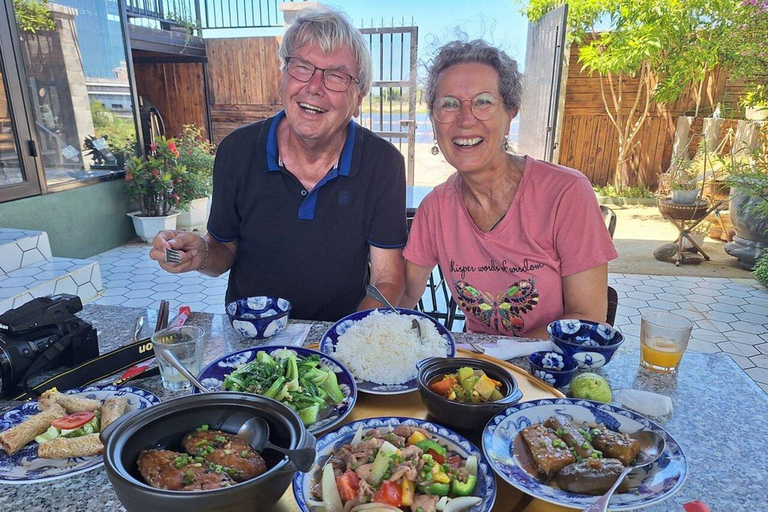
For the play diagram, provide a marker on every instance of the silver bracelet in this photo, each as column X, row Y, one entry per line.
column 205, row 259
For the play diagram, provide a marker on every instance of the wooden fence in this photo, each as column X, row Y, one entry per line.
column 177, row 89
column 244, row 82
column 589, row 141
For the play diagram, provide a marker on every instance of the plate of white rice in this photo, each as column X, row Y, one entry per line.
column 381, row 349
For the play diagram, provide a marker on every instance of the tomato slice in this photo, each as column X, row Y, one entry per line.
column 72, row 421
column 390, row 493
column 436, row 456
column 443, row 387
column 348, row 484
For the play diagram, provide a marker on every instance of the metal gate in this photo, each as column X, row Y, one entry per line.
column 390, row 108
column 543, row 68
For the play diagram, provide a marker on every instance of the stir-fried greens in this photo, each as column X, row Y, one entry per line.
column 297, row 381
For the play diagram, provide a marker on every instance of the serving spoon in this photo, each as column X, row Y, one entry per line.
column 255, row 430
column 374, row 293
column 651, row 447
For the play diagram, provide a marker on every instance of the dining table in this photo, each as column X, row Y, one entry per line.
column 719, row 419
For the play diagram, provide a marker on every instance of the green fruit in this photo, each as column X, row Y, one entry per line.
column 591, row 386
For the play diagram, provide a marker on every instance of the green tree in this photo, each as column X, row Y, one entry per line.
column 33, row 15
column 665, row 46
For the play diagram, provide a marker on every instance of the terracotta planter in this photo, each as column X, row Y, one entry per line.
column 148, row 227
column 751, row 230
column 196, row 217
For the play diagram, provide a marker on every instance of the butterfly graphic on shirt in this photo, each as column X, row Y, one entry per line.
column 506, row 308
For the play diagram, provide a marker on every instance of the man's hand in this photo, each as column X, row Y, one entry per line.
column 192, row 247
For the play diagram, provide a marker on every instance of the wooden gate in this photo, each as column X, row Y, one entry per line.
column 543, row 69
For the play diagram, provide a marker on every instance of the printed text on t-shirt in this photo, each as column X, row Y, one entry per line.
column 495, row 267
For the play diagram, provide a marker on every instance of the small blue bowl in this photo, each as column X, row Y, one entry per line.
column 552, row 367
column 591, row 344
column 258, row 317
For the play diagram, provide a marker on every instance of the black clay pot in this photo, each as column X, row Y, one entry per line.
column 164, row 425
column 464, row 416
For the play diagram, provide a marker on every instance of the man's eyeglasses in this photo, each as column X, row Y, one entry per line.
column 484, row 106
column 333, row 79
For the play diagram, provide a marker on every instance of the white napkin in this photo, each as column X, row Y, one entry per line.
column 293, row 335
column 644, row 402
column 509, row 348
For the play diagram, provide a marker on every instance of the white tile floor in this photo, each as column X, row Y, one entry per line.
column 730, row 315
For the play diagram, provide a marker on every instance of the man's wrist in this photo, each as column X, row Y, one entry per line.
column 205, row 258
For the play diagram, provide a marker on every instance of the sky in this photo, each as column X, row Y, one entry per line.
column 497, row 21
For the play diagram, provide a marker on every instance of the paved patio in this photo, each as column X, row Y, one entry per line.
column 730, row 315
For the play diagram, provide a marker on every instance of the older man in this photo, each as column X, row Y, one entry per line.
column 307, row 205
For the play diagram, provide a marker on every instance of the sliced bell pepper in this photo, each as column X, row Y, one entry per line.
column 437, row 489
column 415, row 438
column 408, row 489
column 428, row 444
column 460, row 488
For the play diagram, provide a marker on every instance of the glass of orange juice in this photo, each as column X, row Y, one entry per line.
column 663, row 339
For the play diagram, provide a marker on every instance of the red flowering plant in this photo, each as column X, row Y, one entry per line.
column 152, row 180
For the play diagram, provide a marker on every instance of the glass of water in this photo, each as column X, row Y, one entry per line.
column 188, row 344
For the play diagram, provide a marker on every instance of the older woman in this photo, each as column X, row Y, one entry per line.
column 520, row 241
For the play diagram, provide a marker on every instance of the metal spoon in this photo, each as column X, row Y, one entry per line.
column 256, row 432
column 374, row 293
column 475, row 347
column 137, row 328
column 651, row 447
column 174, row 361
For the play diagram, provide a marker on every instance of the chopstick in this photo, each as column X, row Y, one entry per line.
column 162, row 315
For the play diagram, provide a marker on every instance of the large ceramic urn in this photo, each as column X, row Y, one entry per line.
column 751, row 229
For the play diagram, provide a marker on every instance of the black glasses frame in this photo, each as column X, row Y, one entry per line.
column 324, row 71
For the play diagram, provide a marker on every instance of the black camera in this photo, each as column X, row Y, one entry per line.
column 41, row 334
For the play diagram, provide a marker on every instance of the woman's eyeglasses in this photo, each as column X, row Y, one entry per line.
column 484, row 106
column 333, row 79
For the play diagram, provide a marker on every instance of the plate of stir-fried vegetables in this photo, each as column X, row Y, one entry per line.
column 318, row 387
column 397, row 464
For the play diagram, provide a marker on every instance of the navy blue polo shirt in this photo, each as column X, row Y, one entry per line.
column 310, row 247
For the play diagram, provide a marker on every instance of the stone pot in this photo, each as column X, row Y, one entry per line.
column 756, row 113
column 685, row 196
column 148, row 227
column 751, row 230
column 196, row 217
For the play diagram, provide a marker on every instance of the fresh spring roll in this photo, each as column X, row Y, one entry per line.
column 62, row 447
column 14, row 439
column 72, row 403
column 112, row 409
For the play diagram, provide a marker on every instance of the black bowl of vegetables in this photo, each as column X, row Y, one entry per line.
column 465, row 393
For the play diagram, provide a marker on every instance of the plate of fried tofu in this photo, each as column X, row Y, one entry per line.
column 570, row 451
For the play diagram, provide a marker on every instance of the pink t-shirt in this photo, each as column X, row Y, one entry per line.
column 509, row 281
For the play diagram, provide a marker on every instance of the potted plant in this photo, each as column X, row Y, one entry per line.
column 196, row 154
column 682, row 182
column 755, row 103
column 151, row 182
column 749, row 204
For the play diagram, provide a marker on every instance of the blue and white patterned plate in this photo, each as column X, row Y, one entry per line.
column 213, row 376
column 649, row 485
column 332, row 441
column 331, row 338
column 25, row 467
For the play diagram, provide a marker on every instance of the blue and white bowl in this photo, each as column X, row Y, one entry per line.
column 212, row 377
column 326, row 445
column 591, row 344
column 258, row 317
column 552, row 367
column 649, row 485
column 331, row 338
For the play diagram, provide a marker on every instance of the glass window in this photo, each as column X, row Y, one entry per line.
column 10, row 167
column 75, row 63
